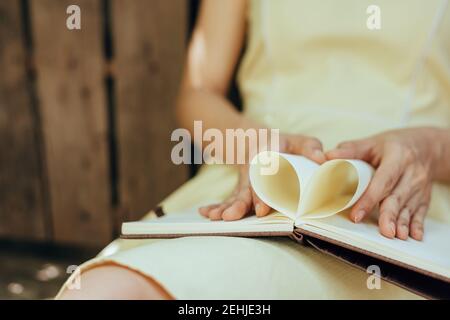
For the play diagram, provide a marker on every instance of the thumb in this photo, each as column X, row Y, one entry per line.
column 261, row 209
column 308, row 147
column 357, row 149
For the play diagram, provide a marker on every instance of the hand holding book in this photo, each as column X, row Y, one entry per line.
column 243, row 201
column 406, row 162
column 312, row 202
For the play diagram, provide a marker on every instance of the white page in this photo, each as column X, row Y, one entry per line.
column 190, row 221
column 432, row 253
column 334, row 187
column 282, row 190
column 302, row 187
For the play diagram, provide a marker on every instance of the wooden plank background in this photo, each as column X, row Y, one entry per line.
column 69, row 66
column 149, row 41
column 22, row 207
column 85, row 156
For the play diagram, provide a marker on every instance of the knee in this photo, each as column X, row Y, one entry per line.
column 115, row 282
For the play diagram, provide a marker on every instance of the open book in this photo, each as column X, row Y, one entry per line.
column 311, row 203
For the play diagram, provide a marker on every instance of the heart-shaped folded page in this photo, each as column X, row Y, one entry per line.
column 296, row 186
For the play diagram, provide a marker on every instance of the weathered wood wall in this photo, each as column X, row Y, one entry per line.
column 22, row 205
column 86, row 115
column 149, row 40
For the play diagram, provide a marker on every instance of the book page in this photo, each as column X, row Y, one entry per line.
column 431, row 254
column 302, row 187
column 191, row 222
column 334, row 187
column 281, row 189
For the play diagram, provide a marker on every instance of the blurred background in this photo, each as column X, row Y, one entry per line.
column 85, row 123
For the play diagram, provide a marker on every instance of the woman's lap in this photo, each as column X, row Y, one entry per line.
column 240, row 268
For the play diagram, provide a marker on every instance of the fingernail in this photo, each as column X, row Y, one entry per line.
column 319, row 155
column 405, row 229
column 258, row 209
column 419, row 234
column 359, row 216
column 392, row 227
column 403, row 232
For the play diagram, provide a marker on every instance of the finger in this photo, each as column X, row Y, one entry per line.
column 387, row 221
column 216, row 213
column 261, row 209
column 418, row 205
column 421, row 197
column 239, row 207
column 297, row 143
column 393, row 204
column 237, row 210
column 403, row 222
column 204, row 211
column 389, row 211
column 359, row 149
column 382, row 183
column 312, row 148
column 416, row 229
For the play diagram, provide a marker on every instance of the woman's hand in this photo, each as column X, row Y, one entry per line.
column 405, row 160
column 243, row 200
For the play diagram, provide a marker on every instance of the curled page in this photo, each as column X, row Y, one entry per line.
column 282, row 186
column 296, row 186
column 335, row 187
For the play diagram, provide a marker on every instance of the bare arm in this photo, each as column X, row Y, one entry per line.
column 212, row 57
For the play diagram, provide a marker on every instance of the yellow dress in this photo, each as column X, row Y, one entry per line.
column 310, row 67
